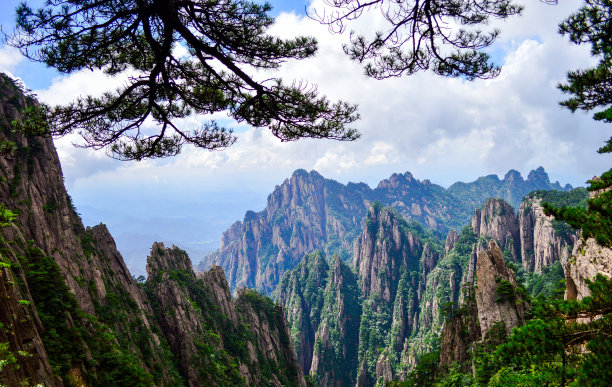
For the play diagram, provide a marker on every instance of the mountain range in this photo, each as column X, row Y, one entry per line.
column 308, row 212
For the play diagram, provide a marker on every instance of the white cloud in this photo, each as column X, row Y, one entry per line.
column 66, row 88
column 9, row 58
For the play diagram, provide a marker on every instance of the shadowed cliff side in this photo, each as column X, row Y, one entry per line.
column 219, row 341
column 71, row 313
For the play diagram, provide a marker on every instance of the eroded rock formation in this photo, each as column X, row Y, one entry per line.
column 497, row 299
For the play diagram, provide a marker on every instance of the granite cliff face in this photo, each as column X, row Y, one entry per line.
column 493, row 305
column 497, row 299
column 205, row 327
column 588, row 259
column 71, row 313
column 308, row 212
column 384, row 250
column 21, row 328
column 305, row 213
column 496, row 219
column 542, row 244
column 71, row 272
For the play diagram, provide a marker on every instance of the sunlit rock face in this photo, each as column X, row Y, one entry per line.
column 541, row 245
column 494, row 301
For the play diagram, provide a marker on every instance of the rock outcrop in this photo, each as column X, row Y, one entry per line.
column 496, row 219
column 451, row 239
column 542, row 244
column 460, row 331
column 497, row 299
column 588, row 259
column 218, row 340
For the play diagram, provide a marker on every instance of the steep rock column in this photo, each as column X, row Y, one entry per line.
column 335, row 354
column 167, row 270
column 451, row 238
column 541, row 244
column 496, row 219
column 459, row 333
column 385, row 248
column 496, row 297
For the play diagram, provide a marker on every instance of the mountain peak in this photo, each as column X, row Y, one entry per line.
column 299, row 172
column 538, row 175
column 398, row 179
column 513, row 175
column 162, row 259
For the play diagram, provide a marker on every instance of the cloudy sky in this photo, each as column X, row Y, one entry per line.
column 441, row 129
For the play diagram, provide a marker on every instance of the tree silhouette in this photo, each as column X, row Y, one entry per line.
column 225, row 40
column 440, row 35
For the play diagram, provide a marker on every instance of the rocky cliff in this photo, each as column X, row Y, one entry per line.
column 496, row 291
column 543, row 239
column 76, row 278
column 22, row 351
column 218, row 340
column 305, row 213
column 588, row 259
column 71, row 313
column 494, row 305
column 496, row 219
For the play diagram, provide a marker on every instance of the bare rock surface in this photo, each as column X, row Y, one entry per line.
column 541, row 245
column 493, row 304
column 496, row 219
column 588, row 259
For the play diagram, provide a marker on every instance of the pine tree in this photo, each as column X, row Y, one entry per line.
column 442, row 36
column 224, row 40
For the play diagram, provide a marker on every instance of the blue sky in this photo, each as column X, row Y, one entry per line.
column 445, row 130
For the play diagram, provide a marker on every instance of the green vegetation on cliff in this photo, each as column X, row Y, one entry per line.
column 548, row 350
column 80, row 348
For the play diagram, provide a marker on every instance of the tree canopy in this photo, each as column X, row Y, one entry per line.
column 225, row 40
column 440, row 35
column 227, row 43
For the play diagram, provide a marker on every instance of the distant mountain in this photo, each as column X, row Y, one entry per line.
column 309, row 212
column 511, row 189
